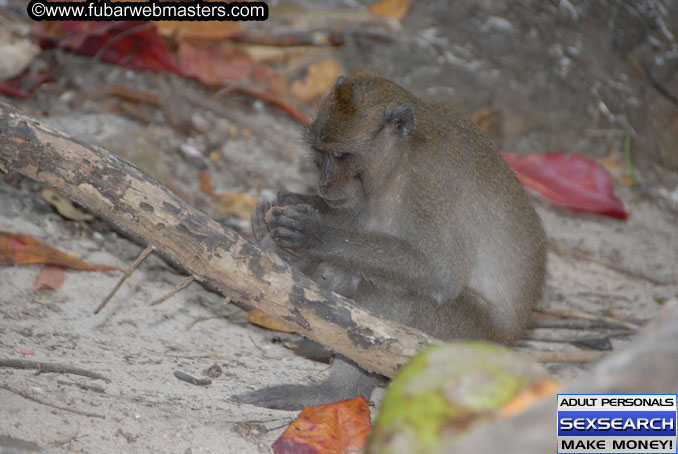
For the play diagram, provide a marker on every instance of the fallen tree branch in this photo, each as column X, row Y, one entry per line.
column 121, row 193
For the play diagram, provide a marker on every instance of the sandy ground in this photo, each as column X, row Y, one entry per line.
column 146, row 409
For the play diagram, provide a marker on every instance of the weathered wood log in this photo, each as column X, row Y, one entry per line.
column 121, row 193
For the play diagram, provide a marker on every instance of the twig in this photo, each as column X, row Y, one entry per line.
column 41, row 402
column 567, row 324
column 191, row 379
column 263, row 352
column 578, row 254
column 587, row 316
column 209, row 356
column 182, row 285
column 128, row 436
column 50, row 368
column 96, row 389
column 59, row 443
column 629, row 165
column 203, row 319
column 127, row 94
column 130, row 31
column 572, row 340
column 571, row 324
column 271, row 99
column 566, row 357
column 213, row 105
column 124, row 277
column 605, row 132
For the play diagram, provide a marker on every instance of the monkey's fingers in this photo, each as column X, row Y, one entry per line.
column 305, row 208
column 288, row 198
column 283, row 233
column 286, row 217
column 289, row 240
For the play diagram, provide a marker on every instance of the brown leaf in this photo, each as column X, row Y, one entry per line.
column 198, row 30
column 240, row 205
column 26, row 250
column 50, row 278
column 337, row 428
column 258, row 318
column 318, row 81
column 524, row 399
column 395, row 9
column 214, row 63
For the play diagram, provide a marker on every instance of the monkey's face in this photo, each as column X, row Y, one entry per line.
column 357, row 139
column 341, row 171
column 353, row 171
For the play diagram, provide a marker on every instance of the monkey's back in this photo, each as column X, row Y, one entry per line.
column 486, row 215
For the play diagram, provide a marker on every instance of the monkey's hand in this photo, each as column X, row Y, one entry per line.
column 258, row 221
column 297, row 229
column 286, row 198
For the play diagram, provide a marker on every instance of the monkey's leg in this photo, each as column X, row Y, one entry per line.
column 345, row 381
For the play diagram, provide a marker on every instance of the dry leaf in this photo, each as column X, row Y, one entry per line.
column 214, row 63
column 236, row 204
column 132, row 44
column 50, row 278
column 198, row 30
column 337, row 428
column 318, row 81
column 525, row 398
column 64, row 206
column 613, row 164
column 258, row 318
column 395, row 9
column 26, row 250
column 275, row 54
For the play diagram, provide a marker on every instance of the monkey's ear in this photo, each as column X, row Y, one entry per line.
column 401, row 119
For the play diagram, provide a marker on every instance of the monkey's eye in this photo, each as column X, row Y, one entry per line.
column 338, row 155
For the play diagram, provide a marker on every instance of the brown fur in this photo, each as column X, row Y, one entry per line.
column 418, row 219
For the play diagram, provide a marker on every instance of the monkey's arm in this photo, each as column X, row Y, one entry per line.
column 382, row 259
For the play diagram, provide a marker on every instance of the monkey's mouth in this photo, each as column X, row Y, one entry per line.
column 335, row 202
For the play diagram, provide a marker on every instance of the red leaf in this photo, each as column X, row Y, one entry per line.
column 569, row 180
column 26, row 250
column 25, row 84
column 340, row 427
column 135, row 45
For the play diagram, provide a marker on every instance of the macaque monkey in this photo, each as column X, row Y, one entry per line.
column 417, row 218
